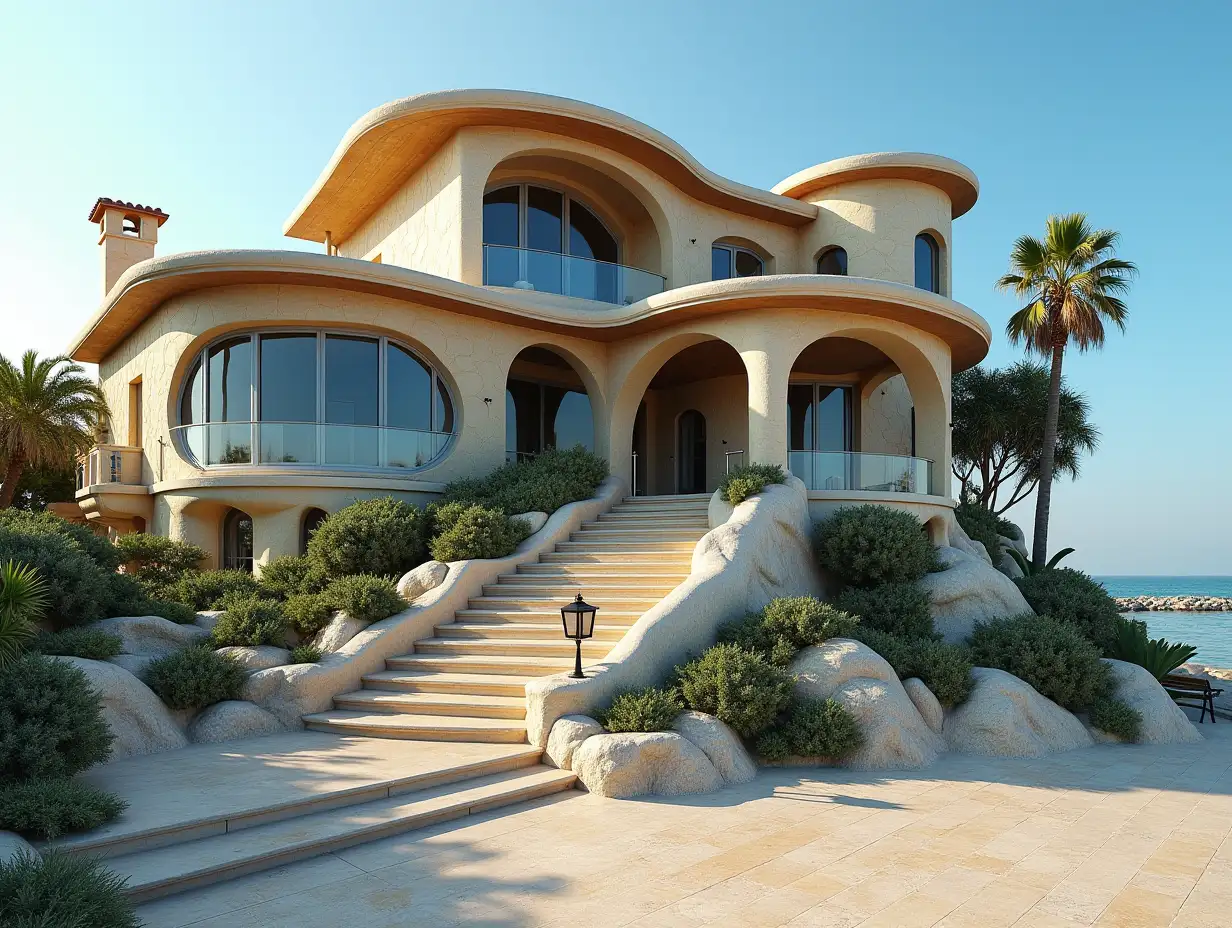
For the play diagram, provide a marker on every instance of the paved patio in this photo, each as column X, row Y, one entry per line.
column 1110, row 836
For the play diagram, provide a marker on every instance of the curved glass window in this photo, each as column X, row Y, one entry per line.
column 927, row 263
column 319, row 398
column 727, row 261
column 833, row 261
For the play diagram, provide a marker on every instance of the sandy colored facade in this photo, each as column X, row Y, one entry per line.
column 421, row 346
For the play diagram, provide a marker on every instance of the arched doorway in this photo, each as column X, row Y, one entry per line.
column 546, row 406
column 691, row 452
column 311, row 521
column 237, row 540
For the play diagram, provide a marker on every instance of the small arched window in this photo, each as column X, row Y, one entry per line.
column 728, row 261
column 312, row 521
column 131, row 226
column 927, row 263
column 833, row 261
column 237, row 541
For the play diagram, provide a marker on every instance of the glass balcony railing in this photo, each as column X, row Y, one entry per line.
column 855, row 470
column 320, row 444
column 585, row 278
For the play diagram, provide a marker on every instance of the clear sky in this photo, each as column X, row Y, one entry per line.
column 224, row 113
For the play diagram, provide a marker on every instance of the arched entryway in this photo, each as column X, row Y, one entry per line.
column 547, row 405
column 310, row 523
column 691, row 452
column 237, row 546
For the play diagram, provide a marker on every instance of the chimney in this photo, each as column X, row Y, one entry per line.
column 127, row 234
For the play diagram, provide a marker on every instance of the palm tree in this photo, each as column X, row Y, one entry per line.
column 1071, row 284
column 48, row 411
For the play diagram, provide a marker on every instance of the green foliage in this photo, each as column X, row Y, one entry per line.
column 195, row 677
column 980, row 525
column 813, row 728
column 77, row 588
column 1051, row 655
column 544, row 483
column 290, row 574
column 125, row 596
column 179, row 613
column 39, row 486
column 944, row 668
column 366, row 598
column 51, row 720
column 739, row 687
column 98, row 548
column 205, row 589
column 157, row 562
column 46, row 809
column 786, row 625
column 466, row 531
column 870, row 545
column 739, row 484
column 61, row 890
column 1116, row 718
column 305, row 654
column 23, row 600
column 252, row 621
column 91, row 643
column 1158, row 655
column 650, row 709
column 381, row 536
column 1071, row 596
column 1029, row 569
column 308, row 613
column 897, row 608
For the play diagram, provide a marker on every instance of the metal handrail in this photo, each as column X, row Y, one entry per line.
column 727, row 456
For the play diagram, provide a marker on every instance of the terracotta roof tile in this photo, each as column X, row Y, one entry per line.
column 102, row 203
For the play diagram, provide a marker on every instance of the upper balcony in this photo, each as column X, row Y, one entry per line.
column 110, row 487
column 568, row 275
column 105, row 465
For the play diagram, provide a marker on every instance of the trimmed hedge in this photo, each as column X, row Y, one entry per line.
column 250, row 622
column 60, row 890
column 944, row 668
column 549, row 480
column 381, row 536
column 77, row 588
column 738, row 485
column 649, row 709
column 195, row 677
column 1071, row 596
column 739, row 687
column 465, row 531
column 895, row 608
column 366, row 598
column 91, row 643
column 868, row 545
column 813, row 728
column 46, row 809
column 1052, row 656
column 786, row 625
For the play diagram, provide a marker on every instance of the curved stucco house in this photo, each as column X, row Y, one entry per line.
column 503, row 272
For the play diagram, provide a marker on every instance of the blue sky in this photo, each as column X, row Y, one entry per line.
column 223, row 115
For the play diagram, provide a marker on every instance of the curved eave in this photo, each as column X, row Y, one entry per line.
column 390, row 143
column 956, row 180
column 145, row 286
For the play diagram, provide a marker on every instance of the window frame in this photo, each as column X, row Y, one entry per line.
column 849, row 416
column 568, row 196
column 934, row 248
column 734, row 250
column 828, row 250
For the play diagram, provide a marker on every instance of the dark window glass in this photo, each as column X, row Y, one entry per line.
column 572, row 422
column 832, row 413
column 409, row 403
column 351, row 382
column 523, row 417
column 500, row 217
column 834, row 261
column 193, row 399
column 588, row 237
column 312, row 520
column 720, row 263
column 230, row 397
column 237, row 541
column 927, row 265
column 748, row 264
column 545, row 211
column 800, row 417
column 443, row 418
column 288, row 378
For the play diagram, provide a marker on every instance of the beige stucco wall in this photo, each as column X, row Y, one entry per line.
column 885, row 419
column 723, row 401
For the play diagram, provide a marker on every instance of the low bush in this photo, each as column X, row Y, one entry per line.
column 980, row 525
column 250, row 622
column 466, row 531
column 1053, row 656
column 549, row 480
column 739, row 484
column 1071, row 596
column 172, row 612
column 739, row 687
column 1115, row 717
column 60, row 890
column 895, row 608
column 308, row 613
column 195, row 677
column 97, row 547
column 650, row 709
column 77, row 588
column 91, row 643
column 290, row 574
column 51, row 720
column 1158, row 655
column 868, row 545
column 305, row 654
column 204, row 589
column 366, row 598
column 157, row 562
column 786, row 625
column 944, row 668
column 46, row 809
column 128, row 597
column 381, row 536
column 813, row 728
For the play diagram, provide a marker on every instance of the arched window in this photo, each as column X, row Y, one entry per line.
column 312, row 520
column 131, row 226
column 727, row 261
column 833, row 261
column 927, row 263
column 237, row 540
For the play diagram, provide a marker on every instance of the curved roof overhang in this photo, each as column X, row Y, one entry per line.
column 144, row 287
column 390, row 143
column 956, row 180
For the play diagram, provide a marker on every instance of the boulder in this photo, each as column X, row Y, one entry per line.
column 719, row 743
column 341, row 629
column 135, row 664
column 427, row 576
column 925, row 703
column 151, row 634
column 138, row 718
column 259, row 657
column 854, row 675
column 1163, row 721
column 628, row 764
column 566, row 735
column 232, row 719
column 1007, row 717
column 208, row 619
column 1014, row 538
column 961, row 541
column 534, row 520
column 968, row 590
column 1008, row 566
column 12, row 844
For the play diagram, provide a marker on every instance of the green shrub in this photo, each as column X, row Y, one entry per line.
column 944, row 668
column 290, row 574
column 60, row 890
column 473, row 531
column 97, row 547
column 739, row 687
column 308, row 613
column 786, row 625
column 897, row 608
column 651, row 709
column 544, row 483
column 772, row 745
column 1054, row 657
column 1069, row 595
column 91, row 643
column 125, row 596
column 195, row 677
column 46, row 809
column 1158, row 655
column 172, row 612
column 870, row 545
column 23, row 601
column 77, row 588
column 739, row 484
column 51, row 720
column 373, row 536
column 204, row 589
column 1115, row 717
column 366, row 598
column 813, row 728
column 156, row 561
column 305, row 654
column 980, row 525
column 251, row 622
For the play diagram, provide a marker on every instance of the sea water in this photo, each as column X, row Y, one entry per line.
column 1209, row 632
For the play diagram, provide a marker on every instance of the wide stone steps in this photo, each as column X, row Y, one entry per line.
column 417, row 727
column 544, row 603
column 449, row 683
column 623, row 571
column 537, row 587
column 630, row 545
column 635, row 519
column 548, row 615
column 522, row 630
column 513, row 647
column 652, row 532
column 503, row 665
column 681, row 559
column 478, row 706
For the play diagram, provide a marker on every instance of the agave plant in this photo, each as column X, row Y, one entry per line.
column 1157, row 655
column 1029, row 569
column 23, row 599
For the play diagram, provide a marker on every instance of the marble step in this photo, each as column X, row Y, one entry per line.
column 625, row 603
column 507, row 647
column 498, row 664
column 641, row 546
column 534, row 587
column 605, row 619
column 447, row 684
column 417, row 727
column 521, row 630
column 471, row 704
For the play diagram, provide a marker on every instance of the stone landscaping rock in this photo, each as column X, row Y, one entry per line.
column 719, row 743
column 630, row 764
column 260, row 657
column 208, row 618
column 925, row 703
column 895, row 734
column 140, row 721
column 1006, row 717
column 1008, row 566
column 232, row 719
column 1163, row 721
column 12, row 844
column 533, row 520
column 341, row 629
column 428, row 576
column 967, row 591
column 567, row 735
column 151, row 634
column 135, row 664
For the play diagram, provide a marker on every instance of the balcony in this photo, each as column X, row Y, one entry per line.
column 568, row 275
column 110, row 488
column 315, row 444
column 109, row 464
column 855, row 470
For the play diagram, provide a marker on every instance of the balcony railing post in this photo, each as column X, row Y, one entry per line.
column 635, row 473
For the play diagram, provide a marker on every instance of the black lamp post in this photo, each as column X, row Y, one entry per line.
column 579, row 621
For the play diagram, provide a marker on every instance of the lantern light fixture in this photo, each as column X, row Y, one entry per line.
column 578, row 619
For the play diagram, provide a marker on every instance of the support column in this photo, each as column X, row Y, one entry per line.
column 768, row 372
column 274, row 534
column 194, row 521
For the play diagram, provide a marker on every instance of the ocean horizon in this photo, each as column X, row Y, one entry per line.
column 1124, row 586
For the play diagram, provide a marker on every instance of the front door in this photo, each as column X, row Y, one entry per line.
column 691, row 453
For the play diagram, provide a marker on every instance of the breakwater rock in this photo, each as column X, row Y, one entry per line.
column 1175, row 604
